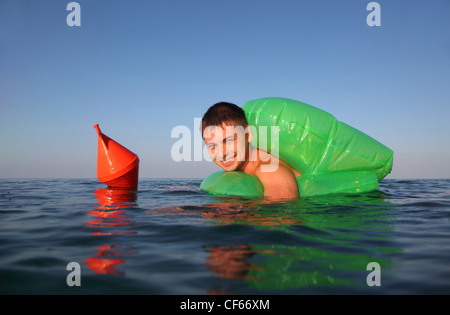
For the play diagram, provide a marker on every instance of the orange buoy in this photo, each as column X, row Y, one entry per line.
column 116, row 165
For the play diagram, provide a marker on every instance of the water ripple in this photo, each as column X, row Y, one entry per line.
column 171, row 238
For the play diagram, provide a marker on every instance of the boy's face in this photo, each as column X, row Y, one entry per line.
column 227, row 145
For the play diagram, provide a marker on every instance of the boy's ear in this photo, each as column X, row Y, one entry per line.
column 249, row 132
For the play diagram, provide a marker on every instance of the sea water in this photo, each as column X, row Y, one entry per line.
column 170, row 238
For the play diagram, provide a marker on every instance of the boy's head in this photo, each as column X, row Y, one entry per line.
column 226, row 134
column 224, row 113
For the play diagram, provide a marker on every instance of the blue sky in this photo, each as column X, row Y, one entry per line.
column 141, row 68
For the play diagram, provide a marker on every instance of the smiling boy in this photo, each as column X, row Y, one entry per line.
column 227, row 136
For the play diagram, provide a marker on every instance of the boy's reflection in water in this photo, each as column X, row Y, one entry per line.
column 229, row 261
column 233, row 261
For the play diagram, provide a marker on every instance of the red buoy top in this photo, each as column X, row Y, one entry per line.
column 115, row 163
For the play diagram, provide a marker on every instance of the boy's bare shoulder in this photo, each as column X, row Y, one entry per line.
column 270, row 164
column 280, row 172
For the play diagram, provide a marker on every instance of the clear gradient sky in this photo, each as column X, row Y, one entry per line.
column 140, row 68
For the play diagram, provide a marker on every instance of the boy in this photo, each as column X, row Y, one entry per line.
column 227, row 136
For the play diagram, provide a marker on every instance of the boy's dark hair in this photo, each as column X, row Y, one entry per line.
column 224, row 112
